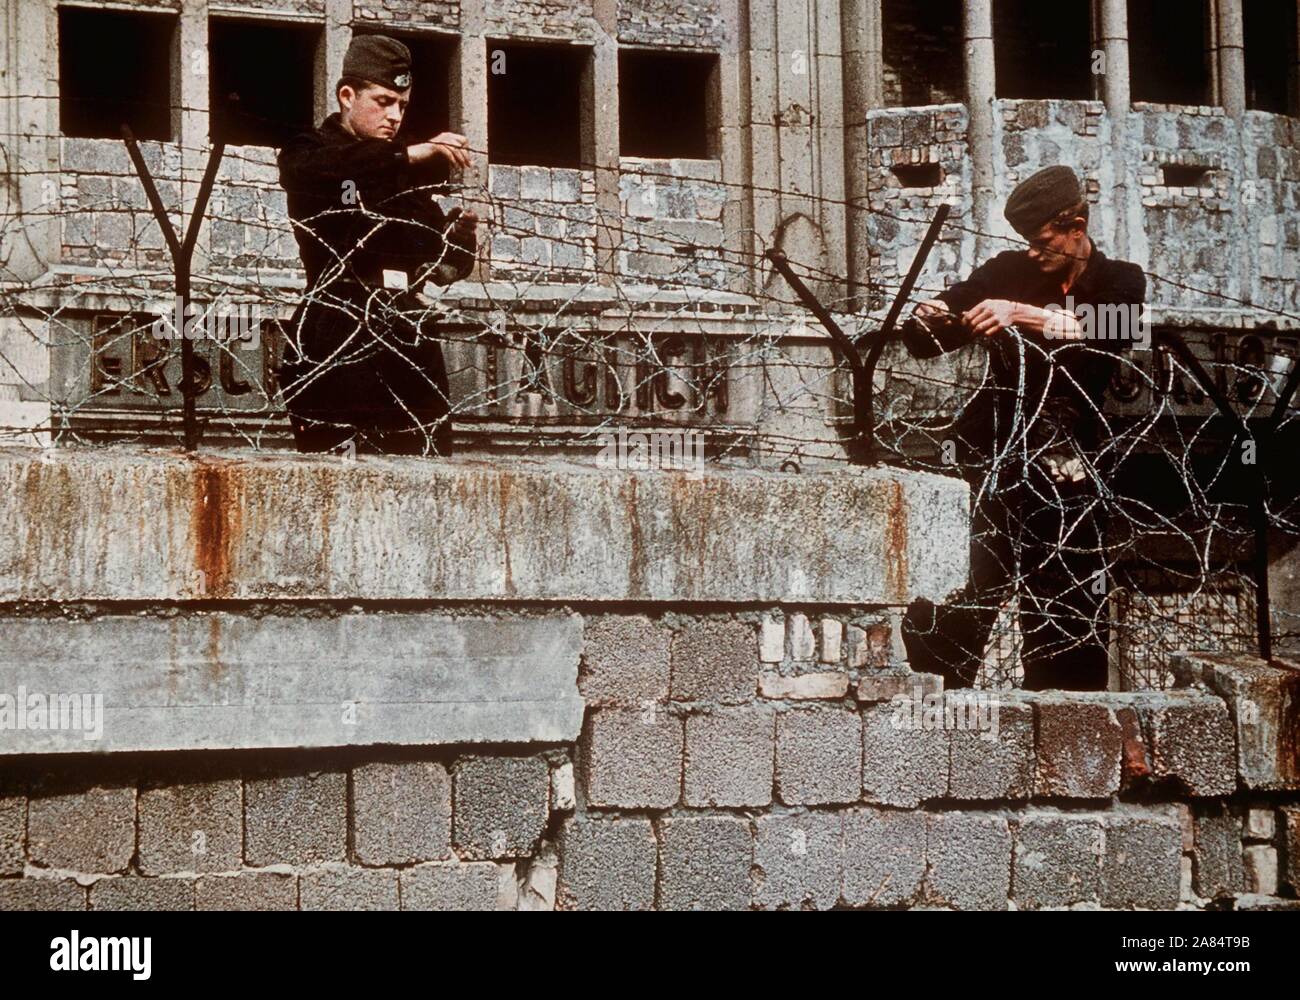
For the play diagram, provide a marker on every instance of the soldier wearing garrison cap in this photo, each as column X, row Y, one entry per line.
column 362, row 363
column 1031, row 441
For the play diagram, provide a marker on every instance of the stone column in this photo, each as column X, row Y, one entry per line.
column 861, row 23
column 469, row 111
column 600, row 138
column 1116, row 93
column 1232, row 57
column 977, row 30
column 733, row 139
column 329, row 55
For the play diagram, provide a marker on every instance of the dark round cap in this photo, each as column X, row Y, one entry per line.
column 379, row 59
column 1041, row 197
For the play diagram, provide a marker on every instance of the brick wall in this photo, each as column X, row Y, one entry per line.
column 543, row 224
column 671, row 22
column 669, row 208
column 407, row 13
column 541, row 19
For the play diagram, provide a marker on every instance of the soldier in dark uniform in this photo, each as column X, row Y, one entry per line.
column 362, row 363
column 1031, row 442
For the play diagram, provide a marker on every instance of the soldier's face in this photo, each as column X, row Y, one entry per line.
column 1053, row 249
column 374, row 112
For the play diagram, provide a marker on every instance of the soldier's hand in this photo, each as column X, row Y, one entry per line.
column 450, row 146
column 465, row 224
column 930, row 309
column 990, row 316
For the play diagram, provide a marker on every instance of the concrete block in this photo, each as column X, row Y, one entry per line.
column 625, row 660
column 1217, row 851
column 805, row 687
column 632, row 759
column 563, row 791
column 1143, row 860
column 348, row 889
column 191, row 826
column 606, row 864
column 714, row 660
column 227, row 681
column 501, row 806
column 969, row 857
column 1290, row 820
column 902, row 766
column 832, row 640
column 1264, row 701
column 29, row 894
column 401, row 813
column 247, row 891
column 818, row 756
column 13, row 834
column 295, row 819
column 908, row 535
column 798, row 860
column 803, row 644
column 81, row 828
column 1192, row 740
column 474, row 885
column 1080, row 746
column 704, row 863
column 771, row 640
column 884, row 856
column 729, row 756
column 1261, row 869
column 132, row 893
column 878, row 687
column 1057, row 859
column 1260, row 824
column 996, row 762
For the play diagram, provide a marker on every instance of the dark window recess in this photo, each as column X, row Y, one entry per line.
column 1182, row 175
column 1168, row 55
column 1043, row 50
column 918, row 175
column 1271, row 66
column 260, row 81
column 535, row 104
column 922, row 52
column 429, row 112
column 115, row 69
column 666, row 104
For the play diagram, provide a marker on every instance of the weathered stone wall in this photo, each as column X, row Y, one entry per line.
column 673, row 206
column 543, row 223
column 693, row 23
column 407, row 13
column 411, row 684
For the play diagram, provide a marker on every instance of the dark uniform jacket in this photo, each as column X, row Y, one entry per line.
column 1059, row 405
column 359, row 354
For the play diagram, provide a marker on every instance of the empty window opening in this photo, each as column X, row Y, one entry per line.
column 261, row 80
column 1183, row 175
column 537, row 98
column 1169, row 52
column 667, row 104
column 922, row 52
column 918, row 175
column 1043, row 50
column 1271, row 60
column 115, row 70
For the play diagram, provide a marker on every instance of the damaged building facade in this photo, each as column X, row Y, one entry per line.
column 515, row 680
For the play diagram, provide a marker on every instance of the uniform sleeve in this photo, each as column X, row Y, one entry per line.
column 985, row 282
column 1127, row 286
column 307, row 164
column 963, row 295
column 425, row 239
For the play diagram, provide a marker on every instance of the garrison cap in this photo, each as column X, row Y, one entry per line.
column 379, row 59
column 1041, row 197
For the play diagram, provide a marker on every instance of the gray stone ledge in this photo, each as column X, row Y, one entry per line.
column 141, row 525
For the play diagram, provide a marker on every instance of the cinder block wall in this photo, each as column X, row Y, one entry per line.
column 575, row 689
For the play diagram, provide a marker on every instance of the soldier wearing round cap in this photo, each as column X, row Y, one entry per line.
column 362, row 363
column 1031, row 441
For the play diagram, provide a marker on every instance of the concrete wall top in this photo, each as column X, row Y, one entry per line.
column 148, row 525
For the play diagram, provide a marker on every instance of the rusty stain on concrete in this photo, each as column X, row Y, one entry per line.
column 216, row 521
column 896, row 565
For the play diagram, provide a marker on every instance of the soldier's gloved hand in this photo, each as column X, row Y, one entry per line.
column 1064, row 468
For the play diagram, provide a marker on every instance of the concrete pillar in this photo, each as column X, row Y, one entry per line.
column 469, row 112
column 977, row 30
column 861, row 23
column 190, row 118
column 1116, row 93
column 329, row 55
column 29, row 111
column 1232, row 57
column 733, row 141
column 601, row 139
